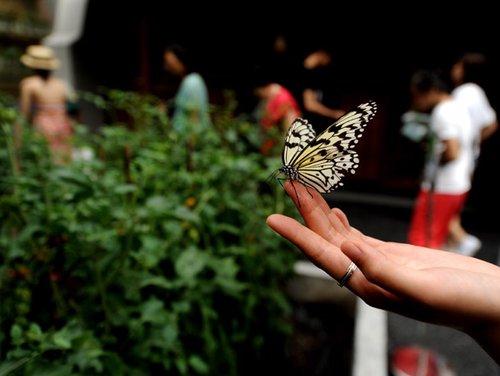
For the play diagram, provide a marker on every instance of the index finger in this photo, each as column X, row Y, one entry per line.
column 329, row 223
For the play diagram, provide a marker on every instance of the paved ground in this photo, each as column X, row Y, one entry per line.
column 387, row 218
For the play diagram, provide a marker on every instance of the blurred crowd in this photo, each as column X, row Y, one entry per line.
column 449, row 116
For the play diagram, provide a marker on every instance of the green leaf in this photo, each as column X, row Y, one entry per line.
column 169, row 335
column 158, row 204
column 153, row 311
column 186, row 214
column 198, row 364
column 190, row 263
column 226, row 275
column 35, row 333
column 151, row 252
column 157, row 281
column 16, row 334
column 122, row 189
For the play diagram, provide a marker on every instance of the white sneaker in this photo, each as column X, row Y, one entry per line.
column 469, row 246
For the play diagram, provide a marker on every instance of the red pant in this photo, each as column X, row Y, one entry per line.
column 431, row 217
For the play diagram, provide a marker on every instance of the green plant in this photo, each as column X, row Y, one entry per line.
column 130, row 263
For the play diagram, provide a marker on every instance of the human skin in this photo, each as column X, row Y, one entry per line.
column 425, row 284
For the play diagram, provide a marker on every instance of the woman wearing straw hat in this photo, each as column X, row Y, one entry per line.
column 43, row 101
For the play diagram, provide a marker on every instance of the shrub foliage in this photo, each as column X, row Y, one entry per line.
column 151, row 257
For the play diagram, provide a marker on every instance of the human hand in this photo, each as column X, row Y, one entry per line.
column 425, row 284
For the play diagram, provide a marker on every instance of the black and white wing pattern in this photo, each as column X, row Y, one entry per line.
column 321, row 161
column 299, row 135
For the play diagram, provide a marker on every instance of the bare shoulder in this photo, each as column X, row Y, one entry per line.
column 58, row 81
column 30, row 81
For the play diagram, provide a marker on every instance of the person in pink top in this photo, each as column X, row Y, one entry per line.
column 43, row 102
column 276, row 110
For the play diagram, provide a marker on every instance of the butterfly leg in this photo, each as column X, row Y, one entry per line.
column 296, row 194
column 280, row 180
column 307, row 189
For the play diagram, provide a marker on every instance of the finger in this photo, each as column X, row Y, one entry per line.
column 304, row 198
column 321, row 253
column 316, row 213
column 341, row 217
column 341, row 225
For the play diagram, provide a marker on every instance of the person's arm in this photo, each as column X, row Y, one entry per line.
column 25, row 103
column 451, row 150
column 421, row 283
column 25, row 98
column 312, row 104
column 488, row 131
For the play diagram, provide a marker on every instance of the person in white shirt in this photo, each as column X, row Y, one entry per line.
column 466, row 75
column 446, row 179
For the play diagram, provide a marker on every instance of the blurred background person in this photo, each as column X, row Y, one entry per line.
column 190, row 111
column 43, row 102
column 275, row 111
column 285, row 62
column 446, row 178
column 468, row 75
column 320, row 98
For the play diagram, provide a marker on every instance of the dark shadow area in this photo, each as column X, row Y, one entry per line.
column 322, row 341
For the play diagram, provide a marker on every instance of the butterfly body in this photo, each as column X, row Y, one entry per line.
column 321, row 161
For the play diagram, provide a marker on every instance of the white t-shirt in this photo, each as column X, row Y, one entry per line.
column 450, row 120
column 473, row 97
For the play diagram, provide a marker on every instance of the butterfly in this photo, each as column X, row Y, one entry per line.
column 321, row 161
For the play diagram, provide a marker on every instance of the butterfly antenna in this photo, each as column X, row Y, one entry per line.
column 271, row 177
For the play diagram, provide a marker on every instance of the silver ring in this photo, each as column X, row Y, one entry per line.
column 350, row 269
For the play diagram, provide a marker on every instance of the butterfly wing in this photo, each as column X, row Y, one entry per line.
column 325, row 160
column 299, row 135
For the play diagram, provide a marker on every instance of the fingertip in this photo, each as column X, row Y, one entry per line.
column 272, row 219
column 342, row 217
column 280, row 223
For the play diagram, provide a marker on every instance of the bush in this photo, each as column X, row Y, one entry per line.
column 148, row 258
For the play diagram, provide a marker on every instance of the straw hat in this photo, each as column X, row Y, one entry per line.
column 40, row 57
